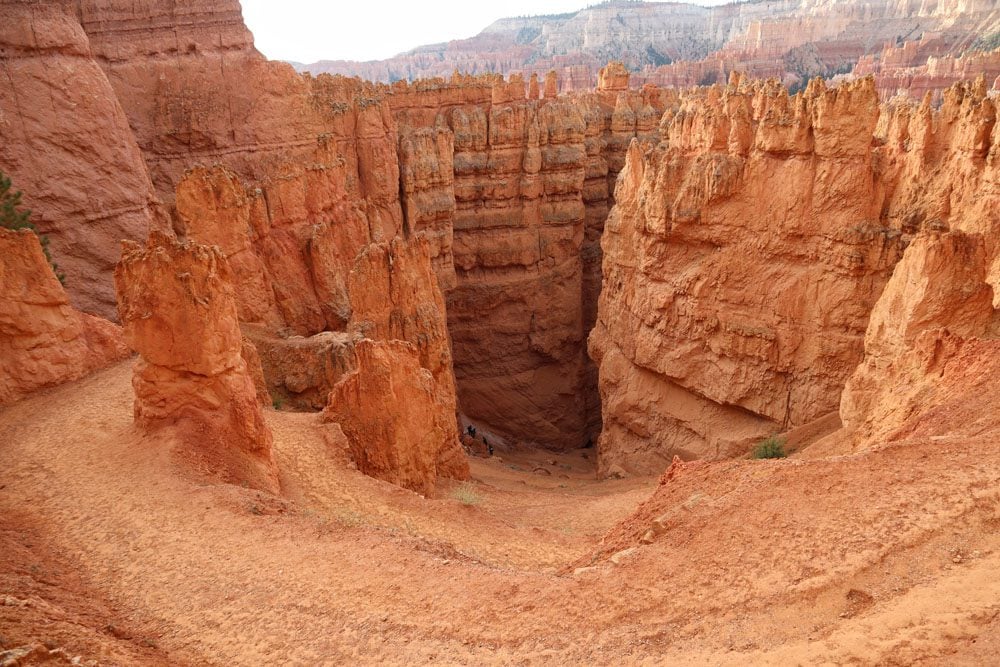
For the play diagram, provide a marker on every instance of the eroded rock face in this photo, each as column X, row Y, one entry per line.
column 513, row 200
column 44, row 341
column 741, row 262
column 68, row 146
column 399, row 424
column 178, row 309
column 931, row 340
column 937, row 297
column 702, row 351
column 394, row 296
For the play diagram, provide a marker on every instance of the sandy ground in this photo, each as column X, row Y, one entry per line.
column 109, row 553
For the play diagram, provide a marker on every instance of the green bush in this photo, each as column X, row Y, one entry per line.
column 13, row 216
column 772, row 448
column 467, row 494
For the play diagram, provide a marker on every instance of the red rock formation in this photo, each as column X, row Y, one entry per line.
column 302, row 279
column 515, row 206
column 925, row 66
column 921, row 349
column 399, row 425
column 469, row 154
column 741, row 263
column 178, row 308
column 426, row 165
column 937, row 296
column 394, row 296
column 67, row 144
column 293, row 239
column 44, row 341
column 800, row 169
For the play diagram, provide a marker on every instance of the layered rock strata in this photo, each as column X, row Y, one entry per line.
column 67, row 144
column 741, row 262
column 514, row 190
column 44, row 341
column 678, row 44
column 513, row 201
column 178, row 308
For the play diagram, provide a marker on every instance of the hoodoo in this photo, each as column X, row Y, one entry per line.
column 176, row 303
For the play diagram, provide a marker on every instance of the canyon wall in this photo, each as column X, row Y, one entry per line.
column 67, row 145
column 931, row 344
column 513, row 190
column 44, row 341
column 748, row 261
column 517, row 224
column 741, row 262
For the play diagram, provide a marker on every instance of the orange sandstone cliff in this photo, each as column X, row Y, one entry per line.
column 747, row 267
column 399, row 425
column 44, row 341
column 741, row 262
column 67, row 143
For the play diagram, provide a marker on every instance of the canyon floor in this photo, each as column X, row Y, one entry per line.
column 112, row 555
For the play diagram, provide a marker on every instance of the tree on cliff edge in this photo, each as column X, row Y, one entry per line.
column 13, row 216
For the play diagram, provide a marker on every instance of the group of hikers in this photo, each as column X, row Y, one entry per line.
column 471, row 430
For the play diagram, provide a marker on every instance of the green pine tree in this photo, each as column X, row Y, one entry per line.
column 13, row 216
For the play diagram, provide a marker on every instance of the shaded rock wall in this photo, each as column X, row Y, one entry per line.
column 178, row 309
column 44, row 341
column 515, row 191
column 67, row 145
column 507, row 184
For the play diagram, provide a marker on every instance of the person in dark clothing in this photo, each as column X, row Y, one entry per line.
column 489, row 447
column 471, row 431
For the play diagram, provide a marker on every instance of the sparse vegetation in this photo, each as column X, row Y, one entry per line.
column 278, row 403
column 988, row 42
column 772, row 448
column 658, row 59
column 467, row 494
column 13, row 216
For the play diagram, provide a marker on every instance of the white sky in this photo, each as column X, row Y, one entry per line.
column 311, row 30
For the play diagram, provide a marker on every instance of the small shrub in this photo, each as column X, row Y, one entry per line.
column 772, row 448
column 467, row 494
column 13, row 216
column 278, row 403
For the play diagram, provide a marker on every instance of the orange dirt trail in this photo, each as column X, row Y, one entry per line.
column 109, row 552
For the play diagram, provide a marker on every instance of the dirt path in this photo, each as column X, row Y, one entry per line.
column 348, row 569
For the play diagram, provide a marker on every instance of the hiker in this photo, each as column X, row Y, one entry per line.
column 471, row 431
column 489, row 447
